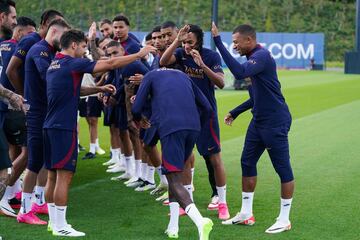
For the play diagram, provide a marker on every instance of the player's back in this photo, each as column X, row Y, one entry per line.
column 7, row 49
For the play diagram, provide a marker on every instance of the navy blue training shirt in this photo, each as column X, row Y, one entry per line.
column 7, row 49
column 175, row 100
column 24, row 46
column 37, row 62
column 63, row 80
column 269, row 108
column 212, row 60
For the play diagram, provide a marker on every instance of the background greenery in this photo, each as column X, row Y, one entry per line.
column 334, row 18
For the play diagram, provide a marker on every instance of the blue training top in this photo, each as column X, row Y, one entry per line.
column 268, row 105
column 175, row 100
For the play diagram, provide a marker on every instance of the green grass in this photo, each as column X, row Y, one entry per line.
column 324, row 145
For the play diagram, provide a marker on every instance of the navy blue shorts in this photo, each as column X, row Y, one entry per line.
column 150, row 136
column 275, row 141
column 110, row 116
column 176, row 149
column 90, row 107
column 15, row 128
column 208, row 142
column 60, row 149
column 35, row 144
column 4, row 148
column 122, row 120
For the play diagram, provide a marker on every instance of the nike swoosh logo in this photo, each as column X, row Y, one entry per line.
column 16, row 133
column 286, row 205
column 210, row 148
column 275, row 229
column 236, row 222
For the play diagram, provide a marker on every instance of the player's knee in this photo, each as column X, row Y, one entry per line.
column 248, row 170
column 285, row 173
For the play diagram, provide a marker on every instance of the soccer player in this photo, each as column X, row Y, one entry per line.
column 268, row 128
column 60, row 134
column 37, row 62
column 175, row 101
column 106, row 28
column 7, row 19
column 203, row 66
column 25, row 25
column 170, row 32
column 15, row 73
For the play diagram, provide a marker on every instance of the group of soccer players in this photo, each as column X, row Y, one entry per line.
column 162, row 91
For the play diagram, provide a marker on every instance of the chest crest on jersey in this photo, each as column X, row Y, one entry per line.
column 194, row 72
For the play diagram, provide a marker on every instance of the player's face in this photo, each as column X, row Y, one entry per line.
column 80, row 49
column 169, row 35
column 190, row 43
column 9, row 20
column 242, row 44
column 106, row 30
column 158, row 41
column 121, row 30
column 115, row 52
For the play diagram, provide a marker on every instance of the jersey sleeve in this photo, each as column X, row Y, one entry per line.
column 141, row 97
column 83, row 65
column 42, row 62
column 23, row 47
column 216, row 63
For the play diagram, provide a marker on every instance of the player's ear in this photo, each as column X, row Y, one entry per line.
column 73, row 45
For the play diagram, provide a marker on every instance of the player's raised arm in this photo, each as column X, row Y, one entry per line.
column 168, row 57
column 117, row 62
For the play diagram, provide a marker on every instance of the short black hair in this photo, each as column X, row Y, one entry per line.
column 71, row 36
column 168, row 24
column 199, row 34
column 156, row 29
column 148, row 36
column 60, row 23
column 113, row 44
column 25, row 21
column 49, row 15
column 123, row 18
column 105, row 21
column 5, row 6
column 246, row 30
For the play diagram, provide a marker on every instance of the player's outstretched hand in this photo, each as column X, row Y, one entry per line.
column 228, row 119
column 214, row 30
column 108, row 88
column 197, row 57
column 183, row 33
column 136, row 79
column 92, row 31
column 146, row 50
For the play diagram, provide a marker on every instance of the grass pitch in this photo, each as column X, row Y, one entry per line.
column 324, row 145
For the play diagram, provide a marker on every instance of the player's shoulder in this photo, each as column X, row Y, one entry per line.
column 30, row 38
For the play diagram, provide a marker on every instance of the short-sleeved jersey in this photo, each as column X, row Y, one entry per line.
column 7, row 49
column 63, row 79
column 37, row 62
column 212, row 60
column 130, row 46
column 24, row 46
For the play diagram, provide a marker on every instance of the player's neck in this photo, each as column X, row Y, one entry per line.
column 124, row 38
column 68, row 52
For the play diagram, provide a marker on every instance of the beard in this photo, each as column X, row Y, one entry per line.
column 6, row 32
